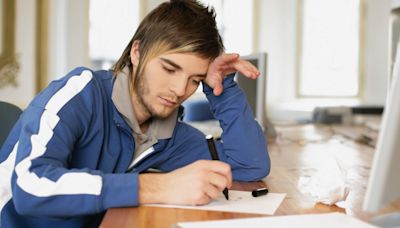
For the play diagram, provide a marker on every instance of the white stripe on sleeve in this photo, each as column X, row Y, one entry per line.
column 70, row 182
column 6, row 170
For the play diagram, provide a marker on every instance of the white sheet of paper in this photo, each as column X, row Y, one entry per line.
column 329, row 220
column 239, row 201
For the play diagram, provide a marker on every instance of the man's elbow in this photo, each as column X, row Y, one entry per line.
column 262, row 168
column 262, row 164
column 23, row 205
column 255, row 173
column 262, row 171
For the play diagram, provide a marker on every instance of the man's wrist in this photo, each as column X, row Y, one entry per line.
column 226, row 83
column 150, row 188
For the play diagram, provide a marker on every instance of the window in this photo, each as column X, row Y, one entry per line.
column 329, row 48
column 235, row 23
column 112, row 25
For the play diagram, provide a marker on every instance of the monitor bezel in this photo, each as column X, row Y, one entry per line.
column 261, row 82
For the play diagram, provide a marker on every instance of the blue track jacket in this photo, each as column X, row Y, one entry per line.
column 66, row 160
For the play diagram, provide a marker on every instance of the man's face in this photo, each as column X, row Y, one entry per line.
column 168, row 80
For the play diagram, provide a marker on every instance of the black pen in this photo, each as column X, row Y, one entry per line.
column 214, row 156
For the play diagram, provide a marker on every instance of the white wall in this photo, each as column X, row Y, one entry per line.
column 277, row 30
column 110, row 34
column 25, row 36
column 377, row 52
column 68, row 36
column 239, row 32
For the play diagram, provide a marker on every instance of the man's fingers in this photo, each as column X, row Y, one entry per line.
column 218, row 181
column 218, row 89
column 243, row 66
column 202, row 200
column 223, row 169
column 247, row 69
column 218, row 167
column 212, row 191
column 226, row 58
column 216, row 84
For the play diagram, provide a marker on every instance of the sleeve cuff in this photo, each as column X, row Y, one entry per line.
column 120, row 190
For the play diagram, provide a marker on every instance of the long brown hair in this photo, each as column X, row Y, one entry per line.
column 174, row 26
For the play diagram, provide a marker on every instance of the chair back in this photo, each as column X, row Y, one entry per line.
column 9, row 114
column 197, row 110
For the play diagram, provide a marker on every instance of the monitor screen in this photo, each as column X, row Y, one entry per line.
column 255, row 89
column 384, row 182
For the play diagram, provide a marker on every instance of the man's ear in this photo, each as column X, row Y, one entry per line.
column 135, row 53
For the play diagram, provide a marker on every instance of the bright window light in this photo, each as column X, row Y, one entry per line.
column 329, row 51
column 235, row 24
column 112, row 24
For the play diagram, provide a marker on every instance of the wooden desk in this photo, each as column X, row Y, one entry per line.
column 298, row 151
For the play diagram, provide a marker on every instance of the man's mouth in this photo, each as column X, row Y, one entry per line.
column 168, row 102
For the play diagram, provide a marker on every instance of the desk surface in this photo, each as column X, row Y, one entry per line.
column 301, row 150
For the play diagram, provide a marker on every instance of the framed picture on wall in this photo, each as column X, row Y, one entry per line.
column 8, row 60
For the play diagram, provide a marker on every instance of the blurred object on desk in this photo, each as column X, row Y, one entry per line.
column 365, row 129
column 332, row 115
column 343, row 114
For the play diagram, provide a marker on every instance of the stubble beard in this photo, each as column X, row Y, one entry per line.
column 142, row 90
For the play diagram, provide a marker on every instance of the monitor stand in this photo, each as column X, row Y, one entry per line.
column 386, row 220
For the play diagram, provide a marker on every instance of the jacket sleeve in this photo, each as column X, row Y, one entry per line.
column 243, row 143
column 43, row 182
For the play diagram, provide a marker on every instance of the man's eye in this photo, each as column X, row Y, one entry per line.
column 169, row 70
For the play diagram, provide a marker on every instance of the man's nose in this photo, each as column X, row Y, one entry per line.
column 178, row 85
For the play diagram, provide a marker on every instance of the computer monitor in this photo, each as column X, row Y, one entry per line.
column 255, row 90
column 384, row 181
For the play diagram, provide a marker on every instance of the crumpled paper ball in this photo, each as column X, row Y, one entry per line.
column 327, row 186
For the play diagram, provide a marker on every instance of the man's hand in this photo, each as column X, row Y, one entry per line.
column 226, row 64
column 194, row 184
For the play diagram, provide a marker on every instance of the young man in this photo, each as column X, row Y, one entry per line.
column 84, row 144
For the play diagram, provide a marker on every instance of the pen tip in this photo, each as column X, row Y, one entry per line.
column 226, row 194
